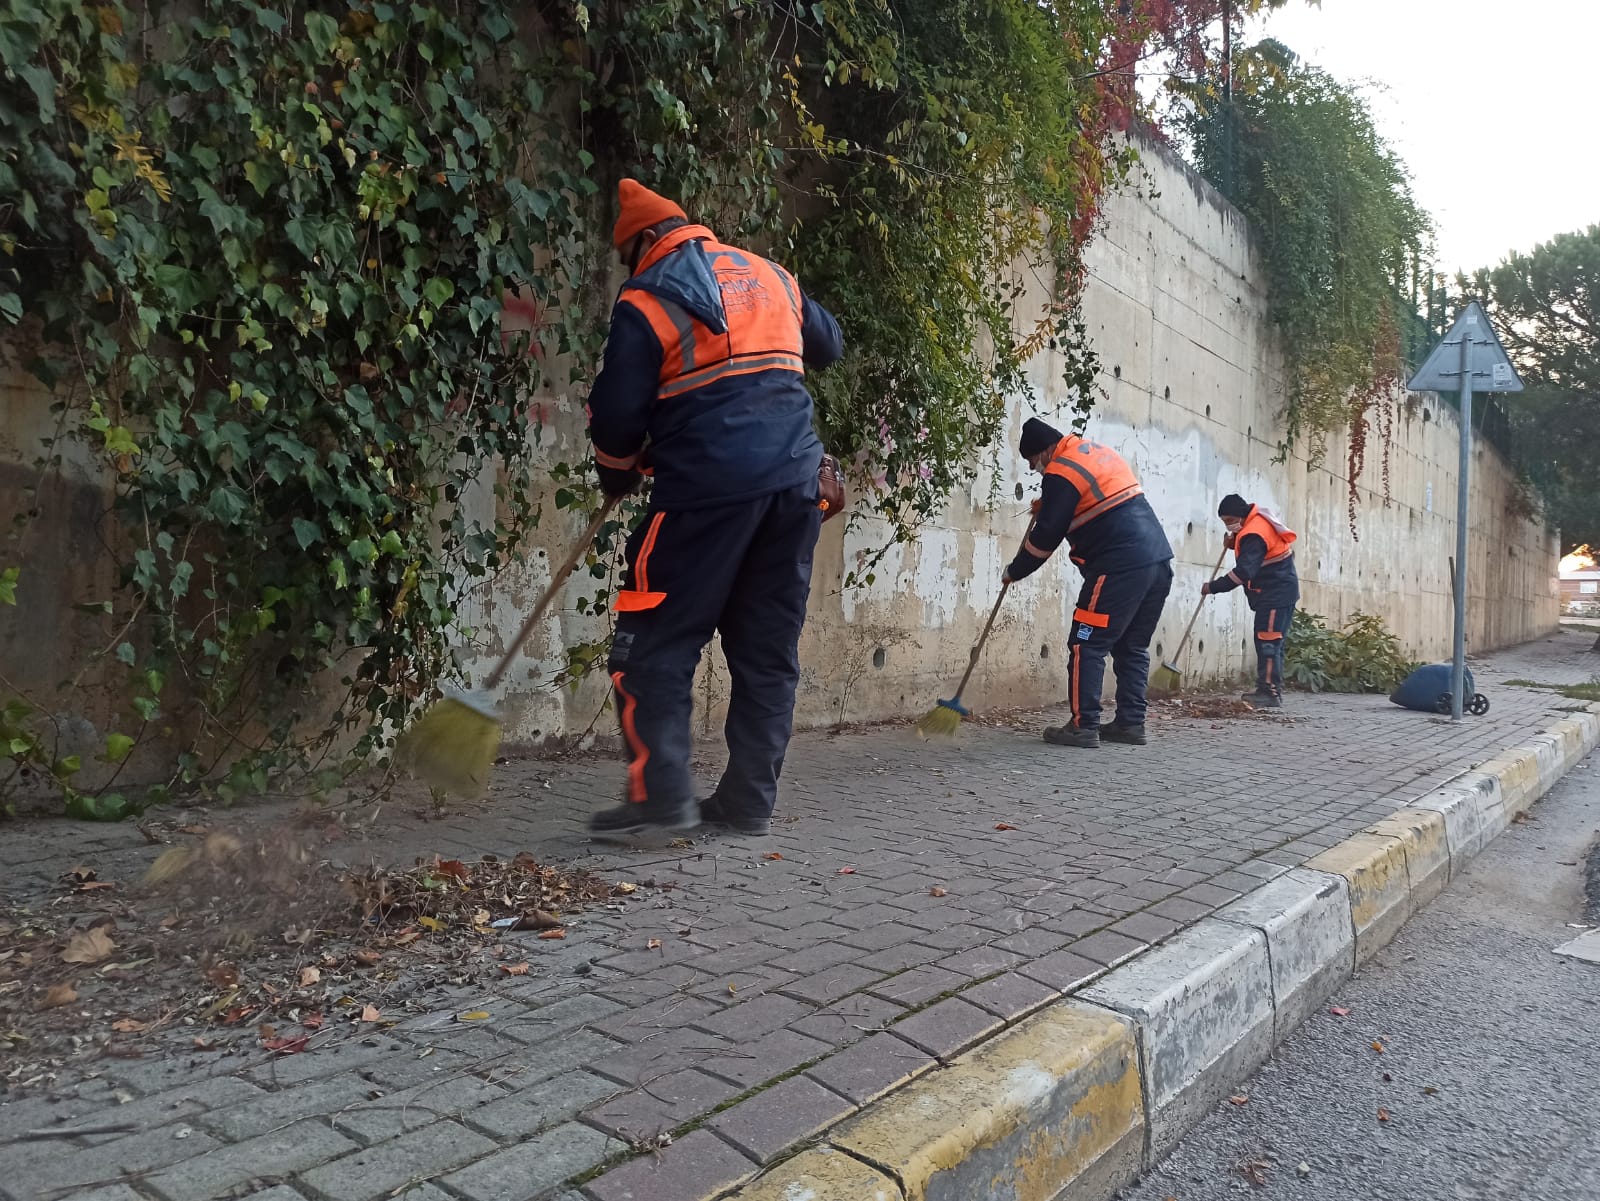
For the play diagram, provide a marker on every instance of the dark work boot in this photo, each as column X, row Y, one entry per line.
column 631, row 818
column 1262, row 700
column 712, row 813
column 1115, row 731
column 1071, row 735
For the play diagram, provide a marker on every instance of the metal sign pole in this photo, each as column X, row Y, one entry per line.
column 1458, row 669
column 1480, row 353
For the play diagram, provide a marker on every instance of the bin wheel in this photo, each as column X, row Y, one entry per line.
column 1442, row 705
column 1479, row 705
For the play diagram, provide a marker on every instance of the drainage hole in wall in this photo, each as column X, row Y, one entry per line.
column 1427, row 416
column 1166, row 394
column 1159, row 652
column 1019, row 491
column 1201, row 649
column 1189, row 529
column 1044, row 650
column 879, row 657
column 1117, row 371
column 1249, row 431
column 1208, row 410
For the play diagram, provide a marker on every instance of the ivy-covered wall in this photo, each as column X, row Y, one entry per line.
column 276, row 260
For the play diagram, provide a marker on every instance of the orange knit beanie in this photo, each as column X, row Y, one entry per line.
column 638, row 208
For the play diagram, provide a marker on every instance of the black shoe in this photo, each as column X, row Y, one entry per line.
column 1070, row 735
column 631, row 818
column 712, row 813
column 1117, row 732
column 1263, row 700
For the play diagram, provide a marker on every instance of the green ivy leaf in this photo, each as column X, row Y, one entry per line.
column 118, row 747
column 306, row 532
column 8, row 585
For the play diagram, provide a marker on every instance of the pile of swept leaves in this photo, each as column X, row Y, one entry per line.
column 1212, row 707
column 231, row 944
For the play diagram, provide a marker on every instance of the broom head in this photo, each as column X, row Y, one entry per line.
column 943, row 720
column 1166, row 679
column 452, row 746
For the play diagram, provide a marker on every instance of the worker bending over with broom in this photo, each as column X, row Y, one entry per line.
column 1264, row 566
column 706, row 359
column 1091, row 498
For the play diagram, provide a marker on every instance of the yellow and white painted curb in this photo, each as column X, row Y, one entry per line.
column 1074, row 1101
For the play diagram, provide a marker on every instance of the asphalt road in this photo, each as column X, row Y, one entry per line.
column 1488, row 1084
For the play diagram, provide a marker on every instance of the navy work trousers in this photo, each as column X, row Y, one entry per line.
column 1272, row 631
column 1117, row 614
column 742, row 570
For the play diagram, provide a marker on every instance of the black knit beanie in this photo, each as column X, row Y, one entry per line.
column 1233, row 505
column 1037, row 437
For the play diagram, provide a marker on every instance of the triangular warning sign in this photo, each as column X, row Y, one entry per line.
column 1486, row 359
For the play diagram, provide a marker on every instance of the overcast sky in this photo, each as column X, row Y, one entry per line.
column 1491, row 104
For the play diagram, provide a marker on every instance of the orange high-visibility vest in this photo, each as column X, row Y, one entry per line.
column 762, row 304
column 1278, row 543
column 1101, row 476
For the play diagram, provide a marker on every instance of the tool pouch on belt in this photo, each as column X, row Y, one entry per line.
column 830, row 485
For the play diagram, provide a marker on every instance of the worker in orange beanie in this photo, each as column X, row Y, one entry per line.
column 705, row 365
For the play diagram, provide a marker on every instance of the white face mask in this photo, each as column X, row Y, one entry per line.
column 1233, row 524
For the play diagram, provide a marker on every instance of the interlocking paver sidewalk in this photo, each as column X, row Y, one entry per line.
column 912, row 899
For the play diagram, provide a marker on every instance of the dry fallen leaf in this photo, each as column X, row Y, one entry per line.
column 1377, row 1046
column 223, row 975
column 309, row 976
column 653, row 945
column 368, row 958
column 1430, row 1091
column 476, row 1015
column 204, row 1044
column 538, row 919
column 1339, row 1012
column 288, row 1045
column 937, row 891
column 847, row 871
column 88, row 946
column 128, row 1026
column 772, row 855
column 1239, row 1099
column 1004, row 826
column 431, row 923
column 732, row 990
column 59, row 994
column 453, row 868
column 551, row 934
column 622, row 888
column 1255, row 1171
column 369, row 1013
column 1383, row 1115
column 514, row 969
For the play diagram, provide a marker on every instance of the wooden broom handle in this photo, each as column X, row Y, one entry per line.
column 1189, row 629
column 972, row 661
column 977, row 647
column 579, row 549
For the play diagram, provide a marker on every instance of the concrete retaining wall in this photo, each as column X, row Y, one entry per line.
column 1194, row 388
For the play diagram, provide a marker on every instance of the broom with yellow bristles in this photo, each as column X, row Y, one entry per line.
column 453, row 745
column 944, row 719
column 1168, row 678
